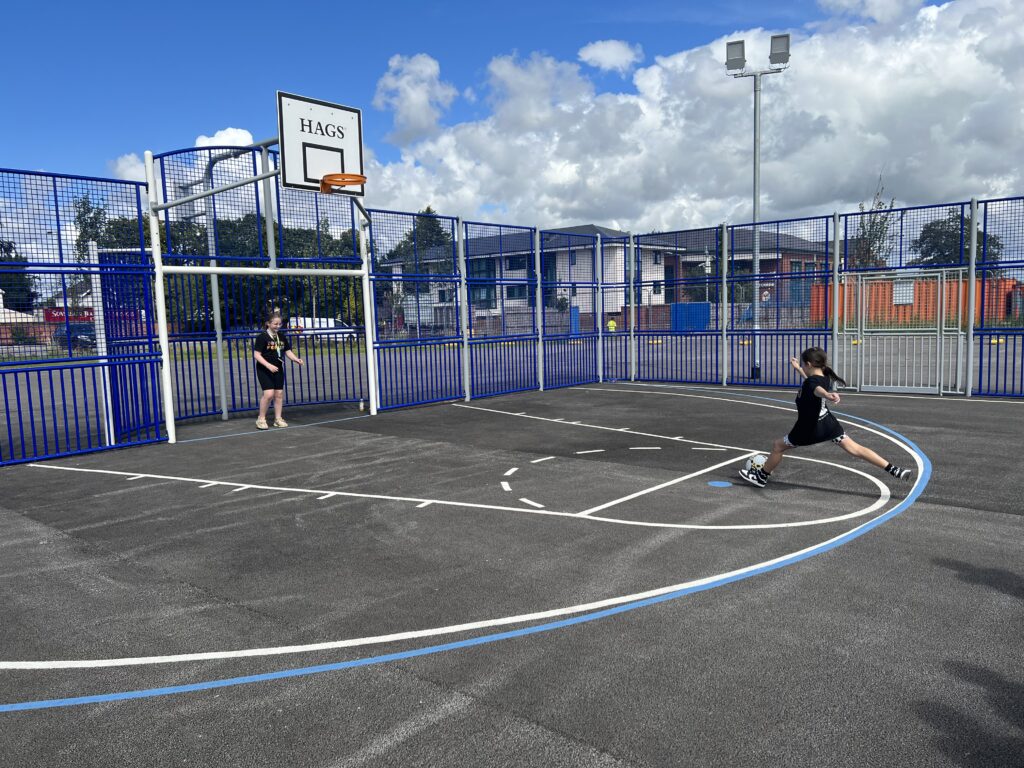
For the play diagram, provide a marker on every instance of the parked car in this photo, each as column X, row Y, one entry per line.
column 81, row 335
column 323, row 325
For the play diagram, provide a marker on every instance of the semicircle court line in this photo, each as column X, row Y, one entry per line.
column 415, row 634
column 598, row 610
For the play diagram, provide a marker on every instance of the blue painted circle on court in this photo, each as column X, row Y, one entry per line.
column 719, row 484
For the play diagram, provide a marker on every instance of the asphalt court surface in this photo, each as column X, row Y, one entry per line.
column 575, row 577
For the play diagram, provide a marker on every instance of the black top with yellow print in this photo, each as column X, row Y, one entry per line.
column 271, row 348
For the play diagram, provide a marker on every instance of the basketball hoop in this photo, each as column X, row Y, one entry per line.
column 332, row 180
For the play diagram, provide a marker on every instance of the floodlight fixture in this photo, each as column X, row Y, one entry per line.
column 735, row 56
column 779, row 53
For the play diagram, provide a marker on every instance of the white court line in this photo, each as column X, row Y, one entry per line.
column 505, row 486
column 242, row 488
column 532, row 503
column 511, row 471
column 320, row 498
column 452, row 629
column 136, row 477
column 209, row 485
column 698, row 448
column 538, row 461
column 645, row 448
column 321, row 491
column 652, row 489
column 595, row 450
column 424, row 504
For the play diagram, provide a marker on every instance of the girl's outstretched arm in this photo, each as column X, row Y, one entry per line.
column 795, row 362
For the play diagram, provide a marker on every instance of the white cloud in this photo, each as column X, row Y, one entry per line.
column 128, row 167
column 935, row 103
column 611, row 55
column 226, row 137
column 883, row 11
column 412, row 88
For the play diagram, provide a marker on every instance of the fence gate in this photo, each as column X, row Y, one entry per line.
column 904, row 332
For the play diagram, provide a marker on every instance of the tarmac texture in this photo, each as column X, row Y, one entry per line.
column 575, row 577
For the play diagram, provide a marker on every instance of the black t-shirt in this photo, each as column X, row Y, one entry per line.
column 272, row 351
column 814, row 421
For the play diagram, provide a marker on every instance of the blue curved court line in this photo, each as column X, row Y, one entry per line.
column 719, row 484
column 494, row 638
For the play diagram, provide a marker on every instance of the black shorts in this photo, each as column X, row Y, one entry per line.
column 270, row 380
column 826, row 428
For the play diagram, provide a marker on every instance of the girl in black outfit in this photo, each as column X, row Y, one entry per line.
column 815, row 422
column 268, row 350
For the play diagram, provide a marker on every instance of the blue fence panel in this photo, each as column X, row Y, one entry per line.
column 569, row 286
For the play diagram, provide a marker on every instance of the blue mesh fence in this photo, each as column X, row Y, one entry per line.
column 501, row 283
column 78, row 355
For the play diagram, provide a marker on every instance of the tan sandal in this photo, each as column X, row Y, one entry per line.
column 261, row 424
column 280, row 423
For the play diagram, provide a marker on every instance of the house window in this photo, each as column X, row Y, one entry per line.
column 572, row 258
column 445, row 296
column 657, row 288
column 574, row 290
column 482, row 268
column 513, row 263
column 517, row 291
column 482, row 297
column 657, row 257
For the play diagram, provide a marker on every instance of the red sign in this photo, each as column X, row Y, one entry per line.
column 72, row 315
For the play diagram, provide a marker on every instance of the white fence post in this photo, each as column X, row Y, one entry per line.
column 467, row 383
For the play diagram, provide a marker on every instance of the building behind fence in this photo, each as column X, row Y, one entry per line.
column 470, row 309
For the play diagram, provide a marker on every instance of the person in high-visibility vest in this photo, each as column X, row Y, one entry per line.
column 611, row 325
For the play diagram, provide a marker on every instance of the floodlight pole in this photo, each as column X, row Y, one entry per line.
column 735, row 59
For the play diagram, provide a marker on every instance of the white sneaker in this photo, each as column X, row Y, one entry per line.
column 754, row 477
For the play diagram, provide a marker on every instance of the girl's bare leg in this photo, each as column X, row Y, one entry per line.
column 779, row 447
column 268, row 395
column 278, row 403
column 854, row 448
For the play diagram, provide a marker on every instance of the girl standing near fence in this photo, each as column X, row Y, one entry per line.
column 269, row 351
column 815, row 422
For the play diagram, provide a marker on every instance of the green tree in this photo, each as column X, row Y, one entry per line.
column 946, row 241
column 15, row 281
column 870, row 249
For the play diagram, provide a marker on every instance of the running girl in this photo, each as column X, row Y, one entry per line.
column 815, row 422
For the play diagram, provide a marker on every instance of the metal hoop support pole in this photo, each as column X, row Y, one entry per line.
column 160, row 299
column 369, row 320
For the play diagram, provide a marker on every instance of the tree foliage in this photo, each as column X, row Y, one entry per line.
column 946, row 241
column 870, row 249
column 15, row 281
column 244, row 300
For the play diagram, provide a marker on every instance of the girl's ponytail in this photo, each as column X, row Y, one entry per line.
column 816, row 357
column 832, row 375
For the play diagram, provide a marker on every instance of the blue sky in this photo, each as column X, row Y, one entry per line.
column 101, row 80
column 545, row 113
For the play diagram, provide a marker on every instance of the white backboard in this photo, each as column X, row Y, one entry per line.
column 316, row 138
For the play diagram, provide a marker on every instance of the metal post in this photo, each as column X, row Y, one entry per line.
column 972, row 269
column 631, row 295
column 723, row 303
column 599, row 270
column 835, row 287
column 218, row 324
column 467, row 382
column 268, row 208
column 101, row 342
column 369, row 324
column 755, row 372
column 539, row 309
column 160, row 299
